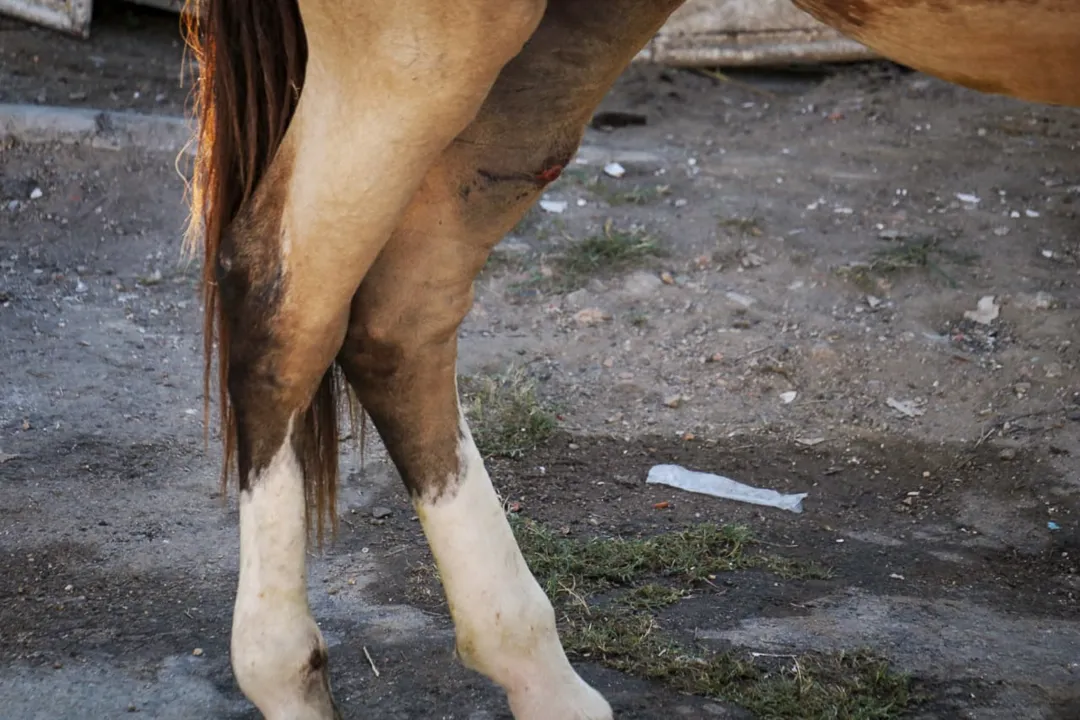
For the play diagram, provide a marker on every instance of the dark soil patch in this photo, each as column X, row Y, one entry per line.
column 895, row 490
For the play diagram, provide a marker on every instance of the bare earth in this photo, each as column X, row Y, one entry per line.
column 783, row 204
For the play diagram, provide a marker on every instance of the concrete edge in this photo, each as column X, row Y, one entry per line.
column 33, row 124
column 40, row 124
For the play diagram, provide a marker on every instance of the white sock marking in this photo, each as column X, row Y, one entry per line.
column 273, row 631
column 504, row 623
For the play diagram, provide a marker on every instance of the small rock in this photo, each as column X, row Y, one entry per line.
column 197, row 652
column 614, row 169
column 823, row 354
column 36, row 193
column 642, row 283
column 968, row 198
column 752, row 260
column 577, row 298
column 608, row 362
column 591, row 316
column 739, row 299
column 985, row 312
column 553, row 206
column 904, row 407
column 379, row 512
column 1053, row 370
column 1007, row 454
column 788, row 397
column 674, row 401
column 1039, row 301
column 874, row 301
column 667, row 278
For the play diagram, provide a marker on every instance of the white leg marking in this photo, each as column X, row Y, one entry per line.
column 273, row 634
column 504, row 623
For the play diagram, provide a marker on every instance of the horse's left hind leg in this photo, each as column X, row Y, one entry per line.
column 374, row 114
column 400, row 351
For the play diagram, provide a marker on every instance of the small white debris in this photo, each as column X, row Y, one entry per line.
column 69, row 588
column 788, row 397
column 722, row 487
column 873, row 301
column 1031, row 213
column 985, row 312
column 614, row 169
column 752, row 260
column 680, row 202
column 80, row 287
column 197, row 652
column 553, row 206
column 968, row 198
column 581, row 202
column 36, row 193
column 739, row 299
column 1048, row 254
column 896, row 576
column 809, row 442
column 843, row 211
column 907, row 408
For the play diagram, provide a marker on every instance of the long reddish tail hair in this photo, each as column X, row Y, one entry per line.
column 251, row 57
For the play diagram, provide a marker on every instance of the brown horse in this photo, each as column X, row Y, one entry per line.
column 357, row 162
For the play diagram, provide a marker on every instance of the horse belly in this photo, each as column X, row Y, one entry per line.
column 1028, row 49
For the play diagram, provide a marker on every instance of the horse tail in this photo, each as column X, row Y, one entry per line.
column 251, row 57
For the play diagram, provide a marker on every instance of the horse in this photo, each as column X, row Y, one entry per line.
column 356, row 163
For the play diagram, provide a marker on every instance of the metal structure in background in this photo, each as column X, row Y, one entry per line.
column 702, row 33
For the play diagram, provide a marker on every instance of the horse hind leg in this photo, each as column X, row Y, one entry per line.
column 401, row 348
column 286, row 256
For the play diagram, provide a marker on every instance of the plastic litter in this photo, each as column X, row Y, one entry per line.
column 614, row 169
column 553, row 206
column 1052, row 526
column 907, row 408
column 719, row 486
column 985, row 312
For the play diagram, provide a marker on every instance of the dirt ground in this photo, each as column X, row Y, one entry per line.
column 818, row 236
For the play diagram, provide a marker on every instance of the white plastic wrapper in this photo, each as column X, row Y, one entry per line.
column 722, row 487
